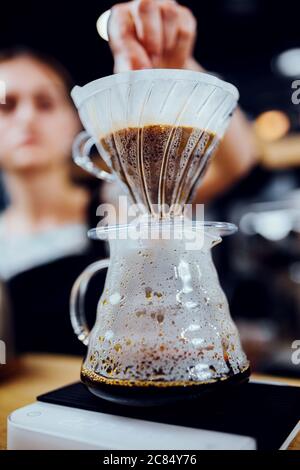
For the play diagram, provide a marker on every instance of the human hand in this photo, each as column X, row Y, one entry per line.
column 151, row 34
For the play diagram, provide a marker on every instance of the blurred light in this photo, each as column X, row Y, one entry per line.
column 288, row 63
column 272, row 125
column 102, row 25
column 273, row 226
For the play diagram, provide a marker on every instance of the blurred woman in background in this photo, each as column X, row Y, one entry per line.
column 43, row 241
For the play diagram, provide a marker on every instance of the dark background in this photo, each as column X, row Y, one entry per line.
column 237, row 38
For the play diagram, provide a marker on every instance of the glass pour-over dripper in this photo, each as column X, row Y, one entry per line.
column 156, row 130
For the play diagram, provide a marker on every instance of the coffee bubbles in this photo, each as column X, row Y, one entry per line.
column 160, row 333
column 159, row 164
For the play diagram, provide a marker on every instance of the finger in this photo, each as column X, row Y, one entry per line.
column 169, row 11
column 120, row 27
column 128, row 53
column 186, row 34
column 132, row 57
column 148, row 25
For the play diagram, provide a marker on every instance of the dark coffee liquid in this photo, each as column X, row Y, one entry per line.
column 160, row 164
column 151, row 395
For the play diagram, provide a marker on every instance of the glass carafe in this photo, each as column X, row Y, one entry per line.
column 163, row 330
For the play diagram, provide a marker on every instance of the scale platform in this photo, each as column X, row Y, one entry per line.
column 255, row 415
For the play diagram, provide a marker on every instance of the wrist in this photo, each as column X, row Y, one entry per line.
column 192, row 64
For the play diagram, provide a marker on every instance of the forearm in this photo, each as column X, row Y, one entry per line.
column 235, row 157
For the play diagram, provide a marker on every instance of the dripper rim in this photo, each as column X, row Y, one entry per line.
column 219, row 229
column 92, row 88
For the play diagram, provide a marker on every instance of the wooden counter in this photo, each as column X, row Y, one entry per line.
column 38, row 374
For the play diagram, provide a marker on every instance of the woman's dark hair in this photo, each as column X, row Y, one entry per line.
column 45, row 59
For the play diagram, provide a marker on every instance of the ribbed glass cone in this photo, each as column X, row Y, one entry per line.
column 157, row 129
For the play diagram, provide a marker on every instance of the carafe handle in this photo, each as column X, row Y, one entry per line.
column 82, row 146
column 78, row 292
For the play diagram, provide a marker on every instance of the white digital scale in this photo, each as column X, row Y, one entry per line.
column 47, row 426
column 55, row 427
